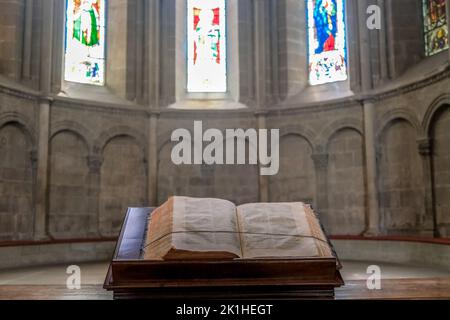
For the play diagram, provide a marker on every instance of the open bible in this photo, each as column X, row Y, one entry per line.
column 186, row 228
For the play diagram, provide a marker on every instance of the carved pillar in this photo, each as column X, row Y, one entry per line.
column 34, row 167
column 371, row 169
column 364, row 47
column 263, row 180
column 384, row 69
column 153, row 25
column 321, row 165
column 28, row 38
column 40, row 227
column 369, row 122
column 94, row 164
column 260, row 41
column 152, row 159
column 42, row 172
column 428, row 220
column 140, row 51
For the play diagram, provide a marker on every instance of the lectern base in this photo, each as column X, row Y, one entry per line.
column 131, row 277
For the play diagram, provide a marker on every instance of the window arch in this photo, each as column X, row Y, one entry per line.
column 207, row 46
column 85, row 41
column 327, row 43
column 435, row 26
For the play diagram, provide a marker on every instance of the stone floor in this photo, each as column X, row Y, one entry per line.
column 17, row 284
column 94, row 273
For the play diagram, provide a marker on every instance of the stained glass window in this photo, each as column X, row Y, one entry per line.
column 207, row 51
column 435, row 26
column 85, row 41
column 326, row 41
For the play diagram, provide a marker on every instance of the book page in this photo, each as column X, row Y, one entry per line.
column 277, row 230
column 159, row 232
column 205, row 225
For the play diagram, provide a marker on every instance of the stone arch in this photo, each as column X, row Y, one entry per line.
column 105, row 137
column 123, row 181
column 437, row 126
column 170, row 178
column 165, row 140
column 296, row 180
column 236, row 183
column 71, row 209
column 168, row 141
column 206, row 180
column 346, row 214
column 247, row 143
column 74, row 127
column 432, row 111
column 400, row 114
column 22, row 122
column 302, row 131
column 400, row 176
column 17, row 176
column 334, row 128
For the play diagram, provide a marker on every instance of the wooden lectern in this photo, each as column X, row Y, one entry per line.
column 129, row 276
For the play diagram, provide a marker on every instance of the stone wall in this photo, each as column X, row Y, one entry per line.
column 70, row 208
column 72, row 160
column 11, row 29
column 16, row 184
column 346, row 212
column 441, row 177
column 296, row 179
column 94, row 174
column 401, row 178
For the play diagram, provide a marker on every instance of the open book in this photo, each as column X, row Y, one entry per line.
column 186, row 228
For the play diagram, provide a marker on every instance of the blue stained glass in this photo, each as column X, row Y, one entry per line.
column 327, row 41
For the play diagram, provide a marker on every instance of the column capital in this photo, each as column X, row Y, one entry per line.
column 94, row 163
column 261, row 113
column 34, row 158
column 154, row 113
column 424, row 146
column 320, row 160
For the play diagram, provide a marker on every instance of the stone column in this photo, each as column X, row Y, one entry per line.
column 428, row 220
column 275, row 48
column 40, row 221
column 260, row 38
column 140, row 51
column 321, row 164
column 34, row 167
column 263, row 180
column 371, row 169
column 40, row 228
column 364, row 45
column 27, row 41
column 153, row 92
column 384, row 69
column 94, row 164
column 46, row 62
column 369, row 122
column 292, row 38
column 152, row 159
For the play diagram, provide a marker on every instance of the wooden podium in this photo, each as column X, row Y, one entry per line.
column 129, row 276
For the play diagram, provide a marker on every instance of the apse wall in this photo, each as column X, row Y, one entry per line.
column 74, row 157
column 98, row 163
